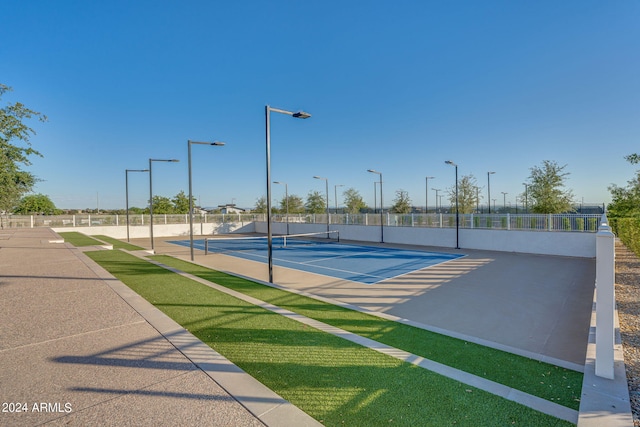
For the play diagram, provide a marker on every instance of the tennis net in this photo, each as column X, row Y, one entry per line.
column 252, row 243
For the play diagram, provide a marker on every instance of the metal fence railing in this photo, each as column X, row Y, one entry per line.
column 94, row 220
column 532, row 222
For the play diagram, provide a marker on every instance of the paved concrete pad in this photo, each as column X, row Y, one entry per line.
column 79, row 352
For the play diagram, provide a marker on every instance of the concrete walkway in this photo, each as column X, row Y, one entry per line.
column 73, row 351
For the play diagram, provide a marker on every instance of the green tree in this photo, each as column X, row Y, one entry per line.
column 162, row 205
column 546, row 189
column 467, row 194
column 15, row 150
column 625, row 201
column 181, row 203
column 633, row 158
column 402, row 202
column 315, row 203
column 353, row 201
column 296, row 205
column 261, row 205
column 36, row 204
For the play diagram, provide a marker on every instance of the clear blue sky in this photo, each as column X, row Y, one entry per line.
column 399, row 87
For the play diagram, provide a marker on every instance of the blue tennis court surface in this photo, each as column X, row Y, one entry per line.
column 364, row 264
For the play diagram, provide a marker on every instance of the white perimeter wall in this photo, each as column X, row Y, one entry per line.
column 564, row 243
column 161, row 230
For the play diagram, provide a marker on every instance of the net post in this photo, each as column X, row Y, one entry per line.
column 206, row 246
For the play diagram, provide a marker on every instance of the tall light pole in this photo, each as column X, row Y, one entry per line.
column 151, row 194
column 335, row 194
column 436, row 190
column 375, row 196
column 126, row 183
column 286, row 200
column 381, row 206
column 504, row 200
column 189, row 143
column 326, row 181
column 449, row 162
column 426, row 193
column 526, row 197
column 489, row 190
column 267, row 113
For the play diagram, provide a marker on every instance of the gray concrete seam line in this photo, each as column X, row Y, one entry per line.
column 506, row 392
column 270, row 408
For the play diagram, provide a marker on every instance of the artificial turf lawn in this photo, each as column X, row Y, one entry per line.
column 332, row 379
column 79, row 239
column 559, row 385
column 119, row 244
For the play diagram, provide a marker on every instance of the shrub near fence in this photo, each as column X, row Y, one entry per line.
column 628, row 231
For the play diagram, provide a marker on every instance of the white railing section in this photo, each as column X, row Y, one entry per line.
column 529, row 222
column 93, row 220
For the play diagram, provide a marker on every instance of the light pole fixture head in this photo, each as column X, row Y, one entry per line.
column 374, row 171
column 216, row 143
column 449, row 162
column 164, row 160
column 319, row 177
column 301, row 115
column 430, row 177
column 490, row 173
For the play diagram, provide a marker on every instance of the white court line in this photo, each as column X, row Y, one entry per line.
column 324, row 268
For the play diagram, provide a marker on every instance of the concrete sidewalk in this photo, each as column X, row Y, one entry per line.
column 78, row 347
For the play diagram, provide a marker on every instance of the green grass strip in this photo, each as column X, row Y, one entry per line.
column 559, row 385
column 119, row 244
column 332, row 379
column 79, row 239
